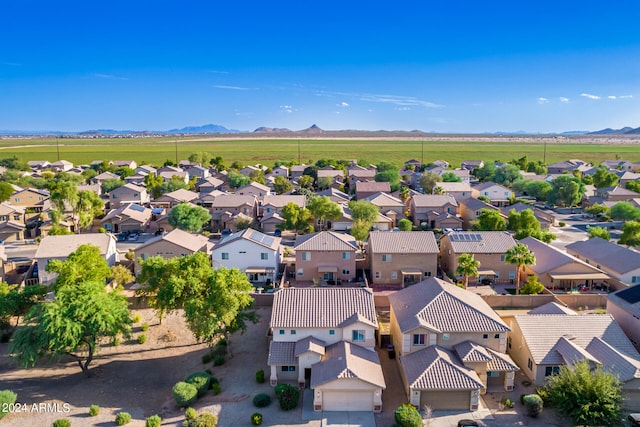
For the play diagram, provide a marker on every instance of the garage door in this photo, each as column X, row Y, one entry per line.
column 446, row 399
column 342, row 400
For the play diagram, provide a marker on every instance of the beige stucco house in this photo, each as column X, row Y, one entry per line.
column 437, row 211
column 129, row 217
column 326, row 257
column 227, row 209
column 624, row 306
column 176, row 243
column 128, row 193
column 622, row 264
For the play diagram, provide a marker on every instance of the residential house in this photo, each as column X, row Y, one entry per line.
column 254, row 189
column 498, row 194
column 60, row 247
column 31, row 199
column 567, row 166
column 358, row 173
column 60, row 166
column 488, row 247
column 12, row 222
column 255, row 253
column 174, row 198
column 227, row 209
column 472, row 165
column 297, row 171
column 471, row 208
column 541, row 344
column 545, row 218
column 128, row 193
column 137, row 178
column 281, row 170
column 335, row 195
column 250, row 170
column 388, row 205
column 412, row 164
column 345, row 222
column 271, row 210
column 451, row 345
column 615, row 194
column 209, row 184
column 127, row 218
column 557, row 270
column 337, row 175
column 619, row 165
column 457, row 190
column 100, row 178
column 624, row 306
column 199, row 172
column 131, row 164
column 324, row 338
column 437, row 211
column 90, row 187
column 402, row 258
column 146, row 169
column 325, row 256
column 619, row 262
column 169, row 172
column 37, row 165
column 364, row 189
column 173, row 244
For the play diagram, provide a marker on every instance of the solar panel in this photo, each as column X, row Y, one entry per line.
column 465, row 237
column 137, row 208
column 631, row 295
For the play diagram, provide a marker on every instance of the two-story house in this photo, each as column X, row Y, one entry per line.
column 32, row 199
column 271, row 210
column 325, row 256
column 128, row 193
column 227, row 209
column 471, row 208
column 624, row 306
column 437, row 211
column 129, row 217
column 364, row 189
column 12, row 222
column 388, row 205
column 451, row 345
column 498, row 194
column 325, row 337
column 174, row 198
column 254, row 189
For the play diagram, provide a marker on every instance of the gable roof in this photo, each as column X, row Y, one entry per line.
column 404, row 242
column 373, row 186
column 606, row 253
column 384, row 199
column 473, row 242
column 63, row 246
column 549, row 258
column 552, row 308
column 253, row 236
column 282, row 200
column 191, row 242
column 254, row 184
column 325, row 241
column 130, row 210
column 180, row 195
column 455, row 186
column 233, row 201
column 432, row 200
column 435, row 368
column 129, row 187
column 322, row 307
column 344, row 360
column 486, row 185
column 442, row 307
column 475, row 204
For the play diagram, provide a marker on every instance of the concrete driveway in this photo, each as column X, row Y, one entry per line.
column 334, row 419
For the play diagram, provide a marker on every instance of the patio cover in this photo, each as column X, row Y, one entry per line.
column 327, row 269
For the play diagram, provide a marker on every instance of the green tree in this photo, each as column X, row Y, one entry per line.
column 85, row 264
column 588, row 397
column 537, row 189
column 405, row 194
column 6, row 190
column 507, row 175
column 121, row 275
column 324, row 182
column 526, row 224
column 532, row 286
column 467, row 267
column 88, row 206
column 597, row 209
column 428, row 181
column 282, row 185
column 201, row 157
column 257, row 176
column 392, row 176
column 296, row 218
column 363, row 210
column 360, row 230
column 566, row 191
column 108, row 185
column 188, row 217
column 237, row 180
column 323, row 209
column 125, row 171
column 630, row 234
column 600, row 232
column 625, row 211
column 603, row 178
column 486, row 172
column 88, row 174
column 64, row 193
column 521, row 256
column 16, row 301
column 306, row 181
column 633, row 186
column 218, row 163
column 153, row 183
column 405, row 225
column 450, row 177
column 490, row 220
column 173, row 184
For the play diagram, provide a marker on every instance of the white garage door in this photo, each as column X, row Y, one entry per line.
column 347, row 400
column 446, row 399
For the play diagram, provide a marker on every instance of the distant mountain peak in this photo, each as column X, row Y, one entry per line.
column 264, row 129
column 312, row 129
column 625, row 130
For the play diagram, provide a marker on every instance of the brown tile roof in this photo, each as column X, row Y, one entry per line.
column 468, row 351
column 625, row 367
column 282, row 200
column 439, row 306
column 232, row 201
column 344, row 360
column 501, row 362
column 403, row 242
column 371, row 186
column 311, row 344
column 385, row 199
column 549, row 258
column 607, row 254
column 191, row 242
column 282, row 353
column 552, row 308
column 483, row 242
column 325, row 241
column 62, row 246
column 435, row 368
column 322, row 307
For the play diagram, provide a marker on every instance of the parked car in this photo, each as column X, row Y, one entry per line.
column 468, row 423
column 133, row 236
column 634, row 419
column 277, row 233
column 225, row 232
column 159, row 231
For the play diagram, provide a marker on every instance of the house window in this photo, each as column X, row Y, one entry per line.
column 346, row 255
column 635, row 279
column 530, row 364
column 503, row 257
column 493, row 374
column 378, row 275
column 332, row 331
column 306, row 256
column 300, row 272
column 551, row 370
column 293, row 332
column 418, row 339
column 346, row 272
column 445, row 337
column 496, row 336
column 224, row 255
column 427, row 274
column 281, row 332
column 512, row 275
column 386, row 257
column 497, row 275
column 288, row 369
column 16, row 200
column 485, row 336
column 264, row 255
column 114, row 196
column 394, row 274
column 357, row 335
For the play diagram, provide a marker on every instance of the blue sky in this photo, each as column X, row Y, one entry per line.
column 444, row 66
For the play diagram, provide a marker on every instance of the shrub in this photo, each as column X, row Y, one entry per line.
column 261, row 400
column 260, row 376
column 201, row 380
column 190, row 413
column 117, row 341
column 406, row 415
column 562, row 224
column 142, row 338
column 222, row 342
column 287, row 396
column 256, row 418
column 205, row 419
column 136, row 318
column 214, row 380
column 144, row 327
column 207, row 357
column 533, row 404
column 216, row 389
column 123, row 418
column 185, row 394
column 62, row 422
column 508, row 403
column 7, row 397
column 94, row 410
column 218, row 360
column 153, row 421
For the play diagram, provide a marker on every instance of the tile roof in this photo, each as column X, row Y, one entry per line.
column 607, row 254
column 484, row 242
column 63, row 246
column 254, row 184
column 435, row 368
column 403, row 242
column 442, row 307
column 130, row 187
column 468, row 351
column 625, row 367
column 549, row 258
column 501, row 362
column 233, row 201
column 344, row 360
column 384, row 199
column 369, row 186
column 253, row 236
column 282, row 353
column 181, row 195
column 191, row 242
column 475, row 204
column 130, row 210
column 454, row 186
column 322, row 307
column 325, row 241
column 433, row 200
column 552, row 308
column 282, row 200
column 311, row 344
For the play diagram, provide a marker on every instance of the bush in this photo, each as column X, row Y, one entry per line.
column 153, row 421
column 142, row 338
column 216, row 389
column 205, row 419
column 7, row 397
column 94, row 410
column 508, row 403
column 144, row 327
column 406, row 415
column 222, row 342
column 533, row 404
column 287, row 396
column 136, row 318
column 190, row 414
column 117, row 341
column 261, row 400
column 201, row 380
column 185, row 394
column 256, row 418
column 218, row 360
column 207, row 357
column 260, row 376
column 562, row 224
column 123, row 418
column 214, row 380
column 62, row 422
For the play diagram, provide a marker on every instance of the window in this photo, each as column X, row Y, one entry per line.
column 445, row 337
column 386, row 257
column 281, row 332
column 16, row 200
column 346, row 255
column 357, row 335
column 493, row 374
column 485, row 336
column 306, row 256
column 503, row 257
column 427, row 274
column 114, row 196
column 497, row 275
column 300, row 272
column 332, row 331
column 635, row 279
column 224, row 255
column 264, row 255
column 346, row 272
column 496, row 336
column 293, row 332
column 529, row 364
column 551, row 370
column 512, row 275
column 288, row 369
column 394, row 274
column 418, row 339
column 378, row 275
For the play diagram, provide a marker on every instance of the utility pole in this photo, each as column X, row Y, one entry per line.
column 58, row 147
column 176, row 144
column 299, row 161
column 422, row 159
column 544, row 156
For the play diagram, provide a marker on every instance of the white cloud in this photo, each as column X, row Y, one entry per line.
column 286, row 108
column 230, row 87
column 402, row 108
column 612, row 97
column 563, row 99
column 387, row 99
column 342, row 104
column 108, row 76
column 542, row 100
column 625, row 96
column 588, row 95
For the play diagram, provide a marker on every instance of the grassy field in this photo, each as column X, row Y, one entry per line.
column 266, row 151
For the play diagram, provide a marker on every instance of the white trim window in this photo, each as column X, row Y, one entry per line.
column 357, row 335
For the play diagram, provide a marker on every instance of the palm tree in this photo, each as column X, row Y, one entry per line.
column 521, row 256
column 467, row 266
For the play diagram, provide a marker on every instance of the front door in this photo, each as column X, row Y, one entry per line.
column 307, row 377
column 328, row 276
